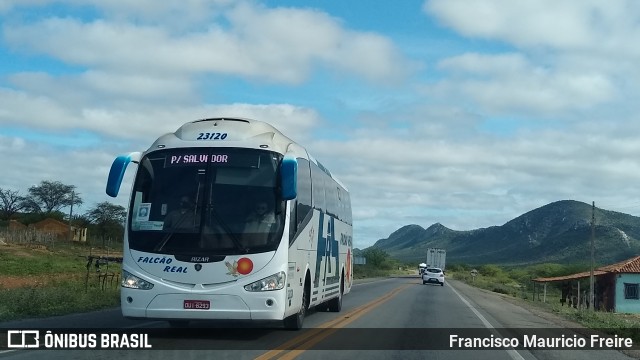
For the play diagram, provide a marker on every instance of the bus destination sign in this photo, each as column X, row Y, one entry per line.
column 237, row 160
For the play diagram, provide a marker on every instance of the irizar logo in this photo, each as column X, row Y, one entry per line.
column 198, row 267
column 199, row 259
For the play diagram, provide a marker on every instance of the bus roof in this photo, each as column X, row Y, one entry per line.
column 238, row 132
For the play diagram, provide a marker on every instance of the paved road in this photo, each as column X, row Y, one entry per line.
column 395, row 318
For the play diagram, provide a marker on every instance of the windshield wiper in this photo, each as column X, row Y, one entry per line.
column 225, row 227
column 168, row 236
column 162, row 243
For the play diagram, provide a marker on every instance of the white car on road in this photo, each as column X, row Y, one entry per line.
column 433, row 275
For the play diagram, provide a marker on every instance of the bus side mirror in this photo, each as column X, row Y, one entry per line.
column 118, row 168
column 289, row 178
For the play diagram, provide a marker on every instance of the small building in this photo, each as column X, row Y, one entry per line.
column 616, row 287
column 60, row 229
column 16, row 225
column 79, row 234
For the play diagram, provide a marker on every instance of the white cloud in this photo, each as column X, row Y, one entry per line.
column 100, row 87
column 30, row 162
column 574, row 55
column 600, row 27
column 509, row 82
column 75, row 110
column 22, row 108
column 167, row 11
column 482, row 181
column 175, row 13
column 255, row 42
column 7, row 5
column 486, row 65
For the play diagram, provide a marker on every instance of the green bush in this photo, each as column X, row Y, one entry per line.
column 490, row 270
column 501, row 289
column 56, row 299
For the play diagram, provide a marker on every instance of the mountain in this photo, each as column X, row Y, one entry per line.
column 557, row 232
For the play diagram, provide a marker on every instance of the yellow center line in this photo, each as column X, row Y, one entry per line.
column 304, row 342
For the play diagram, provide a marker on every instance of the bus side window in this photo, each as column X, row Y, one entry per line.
column 317, row 177
column 301, row 207
column 293, row 221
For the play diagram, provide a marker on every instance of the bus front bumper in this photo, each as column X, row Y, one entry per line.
column 261, row 306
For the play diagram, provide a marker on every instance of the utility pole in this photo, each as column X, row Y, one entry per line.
column 71, row 215
column 593, row 235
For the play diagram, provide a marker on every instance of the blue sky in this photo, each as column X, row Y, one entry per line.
column 467, row 113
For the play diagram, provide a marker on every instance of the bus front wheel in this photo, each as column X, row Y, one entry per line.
column 294, row 322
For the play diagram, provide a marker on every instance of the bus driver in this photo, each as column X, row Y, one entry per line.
column 258, row 224
column 182, row 218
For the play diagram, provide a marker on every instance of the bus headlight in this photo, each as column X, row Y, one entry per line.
column 273, row 282
column 133, row 282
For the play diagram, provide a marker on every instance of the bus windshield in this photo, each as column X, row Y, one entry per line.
column 206, row 201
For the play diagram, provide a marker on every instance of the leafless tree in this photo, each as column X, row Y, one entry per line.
column 11, row 202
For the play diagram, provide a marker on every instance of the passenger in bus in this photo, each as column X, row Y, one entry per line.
column 182, row 218
column 258, row 224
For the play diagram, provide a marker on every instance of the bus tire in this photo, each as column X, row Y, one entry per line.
column 294, row 322
column 335, row 304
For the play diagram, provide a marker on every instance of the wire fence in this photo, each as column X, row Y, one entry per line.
column 28, row 237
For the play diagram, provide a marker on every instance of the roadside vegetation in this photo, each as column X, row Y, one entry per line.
column 38, row 281
column 48, row 280
column 43, row 272
column 516, row 283
column 380, row 264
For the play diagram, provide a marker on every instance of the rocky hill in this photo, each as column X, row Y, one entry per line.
column 557, row 232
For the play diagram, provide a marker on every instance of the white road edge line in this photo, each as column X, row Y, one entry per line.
column 515, row 355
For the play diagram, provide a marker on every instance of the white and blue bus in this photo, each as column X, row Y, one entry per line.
column 230, row 219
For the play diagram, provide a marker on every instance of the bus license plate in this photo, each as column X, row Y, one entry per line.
column 197, row 304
